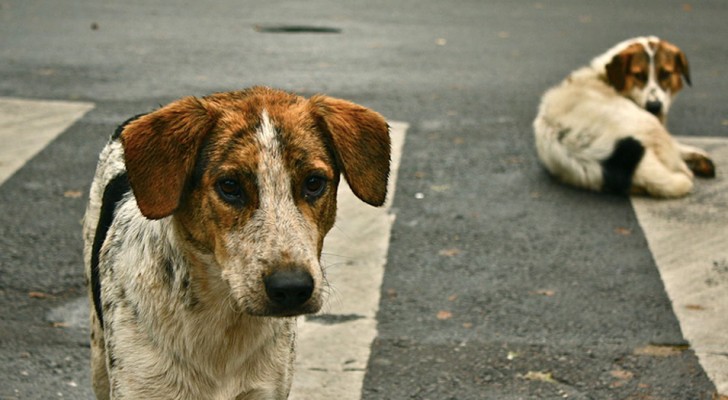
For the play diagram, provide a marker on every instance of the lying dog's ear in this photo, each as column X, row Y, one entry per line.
column 361, row 141
column 671, row 54
column 617, row 70
column 681, row 62
column 621, row 66
column 160, row 149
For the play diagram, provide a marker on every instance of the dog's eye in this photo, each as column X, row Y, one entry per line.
column 313, row 187
column 663, row 75
column 641, row 76
column 230, row 191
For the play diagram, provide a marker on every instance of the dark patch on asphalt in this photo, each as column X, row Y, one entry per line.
column 295, row 29
column 332, row 319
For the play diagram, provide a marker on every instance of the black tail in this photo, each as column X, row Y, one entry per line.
column 618, row 169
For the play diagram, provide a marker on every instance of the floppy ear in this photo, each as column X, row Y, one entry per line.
column 160, row 151
column 362, row 145
column 678, row 57
column 617, row 70
column 681, row 62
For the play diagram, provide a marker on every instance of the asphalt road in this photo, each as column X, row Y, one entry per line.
column 545, row 296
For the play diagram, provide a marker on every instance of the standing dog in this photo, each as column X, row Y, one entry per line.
column 203, row 234
column 603, row 127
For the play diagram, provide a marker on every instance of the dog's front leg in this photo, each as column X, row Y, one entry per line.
column 99, row 373
column 697, row 160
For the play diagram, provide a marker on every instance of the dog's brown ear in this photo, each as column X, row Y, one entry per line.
column 617, row 70
column 160, row 149
column 622, row 66
column 681, row 63
column 671, row 54
column 361, row 141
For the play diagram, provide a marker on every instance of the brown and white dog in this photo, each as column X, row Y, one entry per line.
column 203, row 234
column 603, row 127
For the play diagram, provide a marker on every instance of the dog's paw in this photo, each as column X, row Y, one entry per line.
column 701, row 166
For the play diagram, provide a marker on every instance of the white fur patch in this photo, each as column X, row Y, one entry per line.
column 277, row 208
column 273, row 178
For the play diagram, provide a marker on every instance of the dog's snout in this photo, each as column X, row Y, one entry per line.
column 654, row 107
column 289, row 289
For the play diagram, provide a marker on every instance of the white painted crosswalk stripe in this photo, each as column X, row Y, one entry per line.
column 27, row 126
column 333, row 348
column 689, row 240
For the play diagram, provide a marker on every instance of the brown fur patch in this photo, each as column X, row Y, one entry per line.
column 701, row 166
column 160, row 150
column 361, row 139
column 629, row 68
column 671, row 65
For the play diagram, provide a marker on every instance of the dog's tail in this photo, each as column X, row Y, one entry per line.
column 619, row 167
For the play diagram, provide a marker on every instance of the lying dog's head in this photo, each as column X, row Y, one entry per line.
column 250, row 181
column 649, row 71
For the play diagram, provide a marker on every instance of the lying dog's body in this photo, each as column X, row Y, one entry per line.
column 203, row 234
column 603, row 128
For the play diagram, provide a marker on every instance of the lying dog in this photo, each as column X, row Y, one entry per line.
column 603, row 127
column 203, row 234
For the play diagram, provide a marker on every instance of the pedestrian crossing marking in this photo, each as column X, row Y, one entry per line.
column 688, row 239
column 332, row 358
column 27, row 126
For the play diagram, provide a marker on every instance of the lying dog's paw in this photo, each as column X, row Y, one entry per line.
column 701, row 166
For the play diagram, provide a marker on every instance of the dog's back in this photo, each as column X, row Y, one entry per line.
column 108, row 188
column 578, row 129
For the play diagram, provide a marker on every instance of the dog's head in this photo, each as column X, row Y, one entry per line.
column 649, row 71
column 249, row 179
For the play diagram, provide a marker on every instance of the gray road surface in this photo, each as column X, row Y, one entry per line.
column 551, row 292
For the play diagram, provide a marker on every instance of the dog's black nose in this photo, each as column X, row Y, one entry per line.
column 289, row 289
column 654, row 107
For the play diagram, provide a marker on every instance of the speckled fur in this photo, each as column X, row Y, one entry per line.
column 180, row 271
